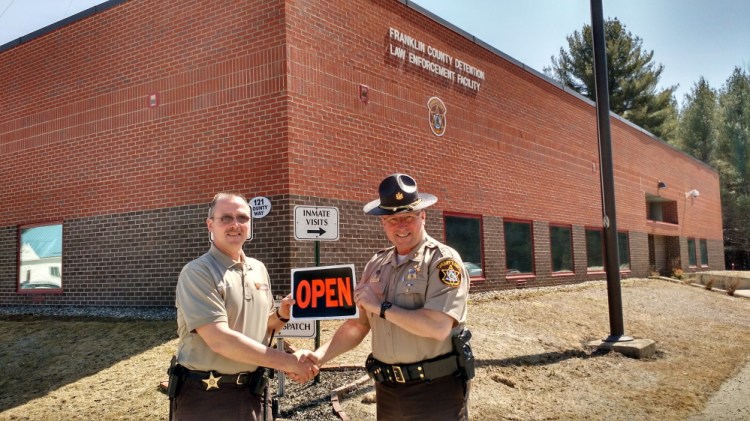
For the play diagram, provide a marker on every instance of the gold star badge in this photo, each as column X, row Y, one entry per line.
column 212, row 382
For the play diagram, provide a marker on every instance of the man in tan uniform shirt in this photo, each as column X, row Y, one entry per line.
column 413, row 296
column 225, row 317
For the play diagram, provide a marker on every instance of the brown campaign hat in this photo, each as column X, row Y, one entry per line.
column 398, row 193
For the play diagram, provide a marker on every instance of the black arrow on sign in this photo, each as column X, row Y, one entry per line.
column 319, row 231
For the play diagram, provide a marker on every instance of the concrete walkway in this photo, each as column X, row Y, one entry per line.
column 731, row 402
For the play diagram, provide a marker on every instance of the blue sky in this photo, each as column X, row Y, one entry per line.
column 691, row 38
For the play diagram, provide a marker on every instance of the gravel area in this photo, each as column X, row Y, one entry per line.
column 120, row 313
column 533, row 362
column 312, row 401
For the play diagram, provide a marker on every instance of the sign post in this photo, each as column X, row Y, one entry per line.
column 280, row 387
column 316, row 223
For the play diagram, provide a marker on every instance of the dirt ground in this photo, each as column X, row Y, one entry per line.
column 530, row 345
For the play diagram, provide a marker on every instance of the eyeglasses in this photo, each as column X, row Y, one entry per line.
column 398, row 220
column 228, row 219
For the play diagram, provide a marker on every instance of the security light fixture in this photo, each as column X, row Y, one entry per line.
column 660, row 185
column 364, row 93
column 692, row 193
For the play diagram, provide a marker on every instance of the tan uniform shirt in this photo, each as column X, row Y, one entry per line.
column 214, row 288
column 432, row 277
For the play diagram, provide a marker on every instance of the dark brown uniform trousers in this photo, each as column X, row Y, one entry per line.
column 228, row 403
column 443, row 399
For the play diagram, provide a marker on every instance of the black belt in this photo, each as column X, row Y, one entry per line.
column 238, row 379
column 444, row 365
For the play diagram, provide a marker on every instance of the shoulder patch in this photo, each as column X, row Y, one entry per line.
column 450, row 272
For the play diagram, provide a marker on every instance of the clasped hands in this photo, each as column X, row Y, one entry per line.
column 306, row 367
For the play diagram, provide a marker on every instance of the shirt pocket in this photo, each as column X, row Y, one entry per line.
column 411, row 290
column 377, row 287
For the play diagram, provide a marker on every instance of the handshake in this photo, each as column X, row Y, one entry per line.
column 304, row 366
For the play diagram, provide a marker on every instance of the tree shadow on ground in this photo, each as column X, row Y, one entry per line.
column 41, row 354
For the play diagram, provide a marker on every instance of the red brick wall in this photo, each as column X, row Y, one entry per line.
column 262, row 97
column 75, row 107
column 520, row 147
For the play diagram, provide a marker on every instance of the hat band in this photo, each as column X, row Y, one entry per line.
column 398, row 208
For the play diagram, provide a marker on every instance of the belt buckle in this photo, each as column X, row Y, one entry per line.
column 398, row 374
column 239, row 376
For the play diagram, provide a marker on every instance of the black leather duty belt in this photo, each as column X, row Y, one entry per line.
column 214, row 380
column 444, row 365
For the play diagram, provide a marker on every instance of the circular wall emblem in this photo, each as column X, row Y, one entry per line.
column 437, row 115
column 261, row 206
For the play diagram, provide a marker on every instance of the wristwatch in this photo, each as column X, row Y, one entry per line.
column 278, row 316
column 383, row 307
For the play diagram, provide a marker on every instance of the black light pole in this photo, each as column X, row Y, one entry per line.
column 617, row 331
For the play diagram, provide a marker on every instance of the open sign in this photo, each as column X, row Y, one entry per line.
column 325, row 292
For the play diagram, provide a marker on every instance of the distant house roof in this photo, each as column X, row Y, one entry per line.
column 46, row 241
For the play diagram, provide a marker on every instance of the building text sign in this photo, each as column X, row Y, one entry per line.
column 324, row 292
column 438, row 62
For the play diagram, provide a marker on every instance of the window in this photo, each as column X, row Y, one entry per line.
column 464, row 233
column 704, row 252
column 594, row 250
column 519, row 255
column 692, row 259
column 659, row 209
column 623, row 247
column 40, row 258
column 561, row 245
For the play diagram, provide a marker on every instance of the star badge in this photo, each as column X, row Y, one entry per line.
column 212, row 382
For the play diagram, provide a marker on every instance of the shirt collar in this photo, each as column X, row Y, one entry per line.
column 225, row 260
column 416, row 255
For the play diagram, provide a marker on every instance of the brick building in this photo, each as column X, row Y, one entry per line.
column 119, row 124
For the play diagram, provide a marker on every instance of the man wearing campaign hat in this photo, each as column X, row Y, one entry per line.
column 413, row 296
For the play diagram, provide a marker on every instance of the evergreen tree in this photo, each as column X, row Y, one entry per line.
column 733, row 152
column 632, row 77
column 698, row 122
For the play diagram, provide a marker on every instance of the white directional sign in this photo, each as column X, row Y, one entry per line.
column 316, row 223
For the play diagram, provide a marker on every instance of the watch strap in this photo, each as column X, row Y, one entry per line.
column 278, row 316
column 383, row 307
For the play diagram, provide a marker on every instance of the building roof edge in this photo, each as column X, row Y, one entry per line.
column 61, row 23
column 414, row 6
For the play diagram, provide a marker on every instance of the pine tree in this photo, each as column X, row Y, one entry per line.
column 733, row 152
column 698, row 122
column 632, row 77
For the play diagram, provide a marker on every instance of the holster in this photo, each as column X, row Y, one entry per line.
column 462, row 348
column 175, row 377
column 258, row 381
